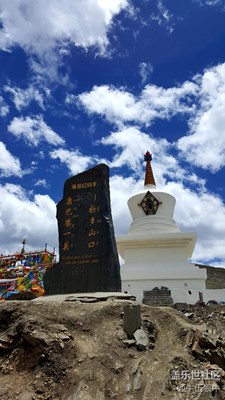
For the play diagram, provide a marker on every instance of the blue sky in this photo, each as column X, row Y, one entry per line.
column 91, row 81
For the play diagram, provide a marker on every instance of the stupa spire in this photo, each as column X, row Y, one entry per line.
column 149, row 177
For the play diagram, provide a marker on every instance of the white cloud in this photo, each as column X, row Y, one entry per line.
column 204, row 213
column 74, row 160
column 120, row 190
column 46, row 68
column 4, row 108
column 131, row 144
column 23, row 97
column 46, row 28
column 118, row 105
column 163, row 17
column 210, row 3
column 9, row 165
column 22, row 217
column 205, row 146
column 41, row 182
column 37, row 26
column 34, row 130
column 70, row 99
column 145, row 71
column 202, row 100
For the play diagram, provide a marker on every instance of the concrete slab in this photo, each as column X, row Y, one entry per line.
column 85, row 297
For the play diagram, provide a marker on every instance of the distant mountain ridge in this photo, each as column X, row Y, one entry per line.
column 215, row 276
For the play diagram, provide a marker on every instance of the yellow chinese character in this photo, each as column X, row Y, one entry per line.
column 92, row 220
column 69, row 211
column 68, row 222
column 74, row 186
column 92, row 244
column 67, row 234
column 79, row 186
column 94, row 184
column 92, row 232
column 66, row 246
column 92, row 210
column 69, row 201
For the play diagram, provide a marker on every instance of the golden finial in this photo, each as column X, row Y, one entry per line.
column 149, row 177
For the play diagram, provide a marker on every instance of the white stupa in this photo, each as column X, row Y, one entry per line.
column 155, row 251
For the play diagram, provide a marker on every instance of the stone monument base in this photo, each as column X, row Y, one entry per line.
column 86, row 297
column 68, row 279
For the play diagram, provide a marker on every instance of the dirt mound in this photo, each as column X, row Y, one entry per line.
column 79, row 351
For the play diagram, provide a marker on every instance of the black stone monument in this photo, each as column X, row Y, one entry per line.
column 88, row 255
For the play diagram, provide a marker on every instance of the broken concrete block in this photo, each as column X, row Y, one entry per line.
column 141, row 339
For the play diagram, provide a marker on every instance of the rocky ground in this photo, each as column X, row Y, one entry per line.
column 79, row 351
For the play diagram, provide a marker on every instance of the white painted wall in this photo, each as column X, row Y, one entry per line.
column 214, row 294
column 179, row 289
column 191, row 296
column 180, row 294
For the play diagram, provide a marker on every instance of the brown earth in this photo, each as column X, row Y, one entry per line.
column 79, row 351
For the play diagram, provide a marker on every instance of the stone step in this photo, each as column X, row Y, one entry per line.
column 157, row 297
column 158, row 303
column 150, row 292
column 158, row 300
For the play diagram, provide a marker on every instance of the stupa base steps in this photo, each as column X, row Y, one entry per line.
column 157, row 297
